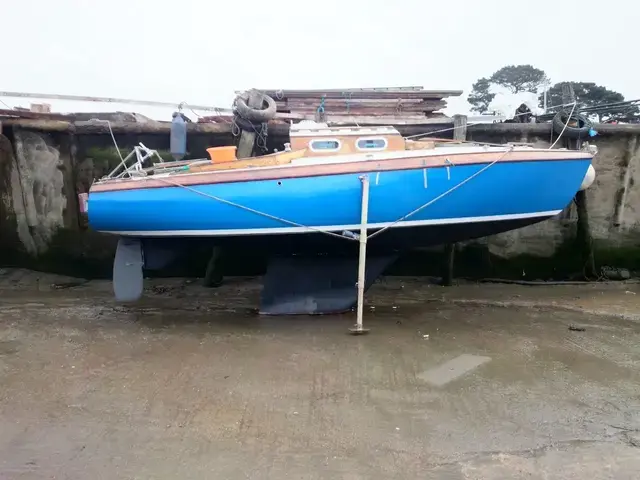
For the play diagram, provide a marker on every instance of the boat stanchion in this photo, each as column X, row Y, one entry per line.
column 358, row 328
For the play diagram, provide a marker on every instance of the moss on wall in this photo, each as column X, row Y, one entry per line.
column 86, row 253
column 109, row 156
column 90, row 254
column 475, row 261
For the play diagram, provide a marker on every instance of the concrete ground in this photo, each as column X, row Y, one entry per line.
column 468, row 382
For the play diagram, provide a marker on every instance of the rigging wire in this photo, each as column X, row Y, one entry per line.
column 590, row 109
column 601, row 106
column 442, row 195
column 262, row 136
column 448, row 129
column 249, row 209
column 327, row 232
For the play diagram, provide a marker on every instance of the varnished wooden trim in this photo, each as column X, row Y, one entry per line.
column 320, row 169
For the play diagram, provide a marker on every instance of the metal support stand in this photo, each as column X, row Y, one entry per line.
column 213, row 275
column 358, row 329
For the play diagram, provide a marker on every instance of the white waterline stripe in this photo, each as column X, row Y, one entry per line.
column 328, row 228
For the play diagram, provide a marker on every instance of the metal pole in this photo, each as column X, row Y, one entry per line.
column 130, row 101
column 358, row 329
column 148, row 103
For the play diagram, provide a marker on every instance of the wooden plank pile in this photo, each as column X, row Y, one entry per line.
column 399, row 105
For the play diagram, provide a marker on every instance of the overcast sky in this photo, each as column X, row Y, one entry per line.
column 201, row 51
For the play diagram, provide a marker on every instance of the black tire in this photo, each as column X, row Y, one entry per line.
column 255, row 116
column 247, row 125
column 575, row 132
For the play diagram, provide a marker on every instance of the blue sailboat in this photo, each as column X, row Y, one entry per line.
column 308, row 198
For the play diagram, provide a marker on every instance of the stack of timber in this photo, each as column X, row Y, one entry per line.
column 366, row 106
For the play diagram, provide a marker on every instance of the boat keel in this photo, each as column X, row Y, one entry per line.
column 314, row 285
column 127, row 270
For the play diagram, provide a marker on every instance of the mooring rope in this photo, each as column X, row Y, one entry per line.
column 563, row 128
column 327, row 232
column 249, row 209
column 442, row 195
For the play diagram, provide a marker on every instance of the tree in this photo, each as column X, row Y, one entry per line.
column 519, row 78
column 516, row 78
column 481, row 96
column 589, row 95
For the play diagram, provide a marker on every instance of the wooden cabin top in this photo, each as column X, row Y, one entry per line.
column 321, row 140
column 354, row 143
column 318, row 140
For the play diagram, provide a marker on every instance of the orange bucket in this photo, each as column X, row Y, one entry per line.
column 222, row 154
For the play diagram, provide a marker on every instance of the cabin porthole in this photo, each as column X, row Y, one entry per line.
column 371, row 143
column 325, row 145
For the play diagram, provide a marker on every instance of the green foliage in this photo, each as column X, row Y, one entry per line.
column 588, row 94
column 106, row 155
column 519, row 78
column 480, row 96
column 109, row 155
column 516, row 78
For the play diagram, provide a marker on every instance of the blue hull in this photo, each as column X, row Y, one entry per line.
column 512, row 192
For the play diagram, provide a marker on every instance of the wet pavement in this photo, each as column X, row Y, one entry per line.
column 468, row 382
